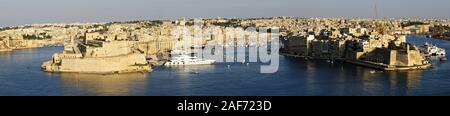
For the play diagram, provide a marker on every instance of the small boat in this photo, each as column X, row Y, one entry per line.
column 443, row 59
column 194, row 73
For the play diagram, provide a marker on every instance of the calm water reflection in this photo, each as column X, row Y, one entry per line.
column 20, row 74
column 91, row 84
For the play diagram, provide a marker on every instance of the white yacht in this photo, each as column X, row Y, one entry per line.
column 187, row 60
column 431, row 50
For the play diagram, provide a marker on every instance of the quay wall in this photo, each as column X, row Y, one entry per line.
column 125, row 63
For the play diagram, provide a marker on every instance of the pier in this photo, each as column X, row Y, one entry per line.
column 374, row 65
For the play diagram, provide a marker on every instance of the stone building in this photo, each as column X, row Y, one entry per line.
column 97, row 56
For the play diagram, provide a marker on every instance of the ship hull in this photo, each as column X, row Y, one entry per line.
column 205, row 62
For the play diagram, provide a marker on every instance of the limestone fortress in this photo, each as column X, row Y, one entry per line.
column 98, row 56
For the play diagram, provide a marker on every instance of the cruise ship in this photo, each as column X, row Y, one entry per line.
column 431, row 50
column 187, row 60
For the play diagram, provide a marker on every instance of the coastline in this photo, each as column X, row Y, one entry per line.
column 385, row 67
column 6, row 50
column 369, row 64
column 99, row 65
column 24, row 48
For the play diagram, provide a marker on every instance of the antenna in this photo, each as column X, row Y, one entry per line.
column 376, row 9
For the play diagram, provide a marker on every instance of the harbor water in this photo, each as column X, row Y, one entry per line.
column 20, row 74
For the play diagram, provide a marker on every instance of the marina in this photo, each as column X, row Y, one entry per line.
column 295, row 77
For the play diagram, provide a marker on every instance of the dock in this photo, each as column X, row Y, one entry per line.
column 381, row 66
column 374, row 65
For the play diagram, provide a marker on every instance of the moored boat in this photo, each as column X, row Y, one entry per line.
column 187, row 60
column 432, row 50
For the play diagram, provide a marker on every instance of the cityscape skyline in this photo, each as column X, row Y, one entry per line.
column 22, row 12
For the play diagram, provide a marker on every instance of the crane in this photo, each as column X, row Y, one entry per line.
column 375, row 9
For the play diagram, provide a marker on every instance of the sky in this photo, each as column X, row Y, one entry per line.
column 22, row 12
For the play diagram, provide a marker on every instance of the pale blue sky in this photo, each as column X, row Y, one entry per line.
column 19, row 12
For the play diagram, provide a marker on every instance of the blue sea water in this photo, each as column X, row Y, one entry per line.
column 20, row 74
